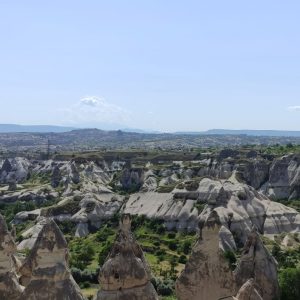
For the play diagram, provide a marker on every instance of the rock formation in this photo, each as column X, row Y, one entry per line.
column 125, row 274
column 16, row 167
column 207, row 275
column 284, row 178
column 249, row 291
column 56, row 177
column 9, row 285
column 257, row 263
column 247, row 206
column 46, row 267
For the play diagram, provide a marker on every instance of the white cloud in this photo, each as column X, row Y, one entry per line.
column 294, row 108
column 90, row 100
column 95, row 110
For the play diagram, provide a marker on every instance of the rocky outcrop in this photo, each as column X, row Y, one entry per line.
column 36, row 194
column 227, row 242
column 56, row 177
column 181, row 208
column 94, row 210
column 74, row 173
column 45, row 271
column 249, row 291
column 257, row 263
column 9, row 285
column 132, row 179
column 254, row 172
column 18, row 168
column 125, row 274
column 207, row 274
column 284, row 178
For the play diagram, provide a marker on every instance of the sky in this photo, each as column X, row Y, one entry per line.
column 165, row 65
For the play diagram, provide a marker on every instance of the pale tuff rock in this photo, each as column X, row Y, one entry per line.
column 284, row 178
column 45, row 271
column 56, row 177
column 249, row 291
column 207, row 275
column 31, row 234
column 16, row 168
column 94, row 209
column 226, row 242
column 9, row 285
column 247, row 207
column 256, row 262
column 125, row 274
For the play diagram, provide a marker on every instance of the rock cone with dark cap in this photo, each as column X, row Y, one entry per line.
column 207, row 275
column 9, row 286
column 125, row 274
column 47, row 264
column 256, row 262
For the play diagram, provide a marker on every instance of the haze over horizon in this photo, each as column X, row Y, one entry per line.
column 152, row 65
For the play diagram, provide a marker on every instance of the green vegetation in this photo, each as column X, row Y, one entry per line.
column 289, row 280
column 36, row 179
column 289, row 268
column 166, row 188
column 165, row 251
column 9, row 210
column 231, row 258
column 295, row 203
column 281, row 149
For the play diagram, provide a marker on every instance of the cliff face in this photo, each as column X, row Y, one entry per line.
column 9, row 285
column 284, row 178
column 248, row 208
column 207, row 275
column 125, row 274
column 249, row 291
column 257, row 263
column 46, row 268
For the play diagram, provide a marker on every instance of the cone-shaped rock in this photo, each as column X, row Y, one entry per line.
column 47, row 264
column 10, row 288
column 249, row 291
column 207, row 275
column 256, row 262
column 125, row 274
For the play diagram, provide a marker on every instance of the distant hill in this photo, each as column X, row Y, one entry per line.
column 249, row 132
column 6, row 128
column 253, row 132
column 15, row 128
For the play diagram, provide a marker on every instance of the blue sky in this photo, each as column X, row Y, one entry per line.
column 152, row 64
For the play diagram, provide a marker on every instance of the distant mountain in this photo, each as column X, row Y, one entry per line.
column 249, row 132
column 6, row 128
column 136, row 130
column 13, row 128
column 253, row 132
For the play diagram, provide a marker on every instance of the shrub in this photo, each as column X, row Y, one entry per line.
column 84, row 285
column 85, row 276
column 171, row 235
column 230, row 257
column 104, row 253
column 182, row 259
column 82, row 253
column 165, row 288
column 187, row 247
column 172, row 245
column 289, row 280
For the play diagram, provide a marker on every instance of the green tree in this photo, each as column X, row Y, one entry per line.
column 289, row 280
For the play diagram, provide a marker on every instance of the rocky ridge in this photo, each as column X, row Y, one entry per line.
column 9, row 285
column 45, row 272
column 207, row 274
column 257, row 263
column 125, row 273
